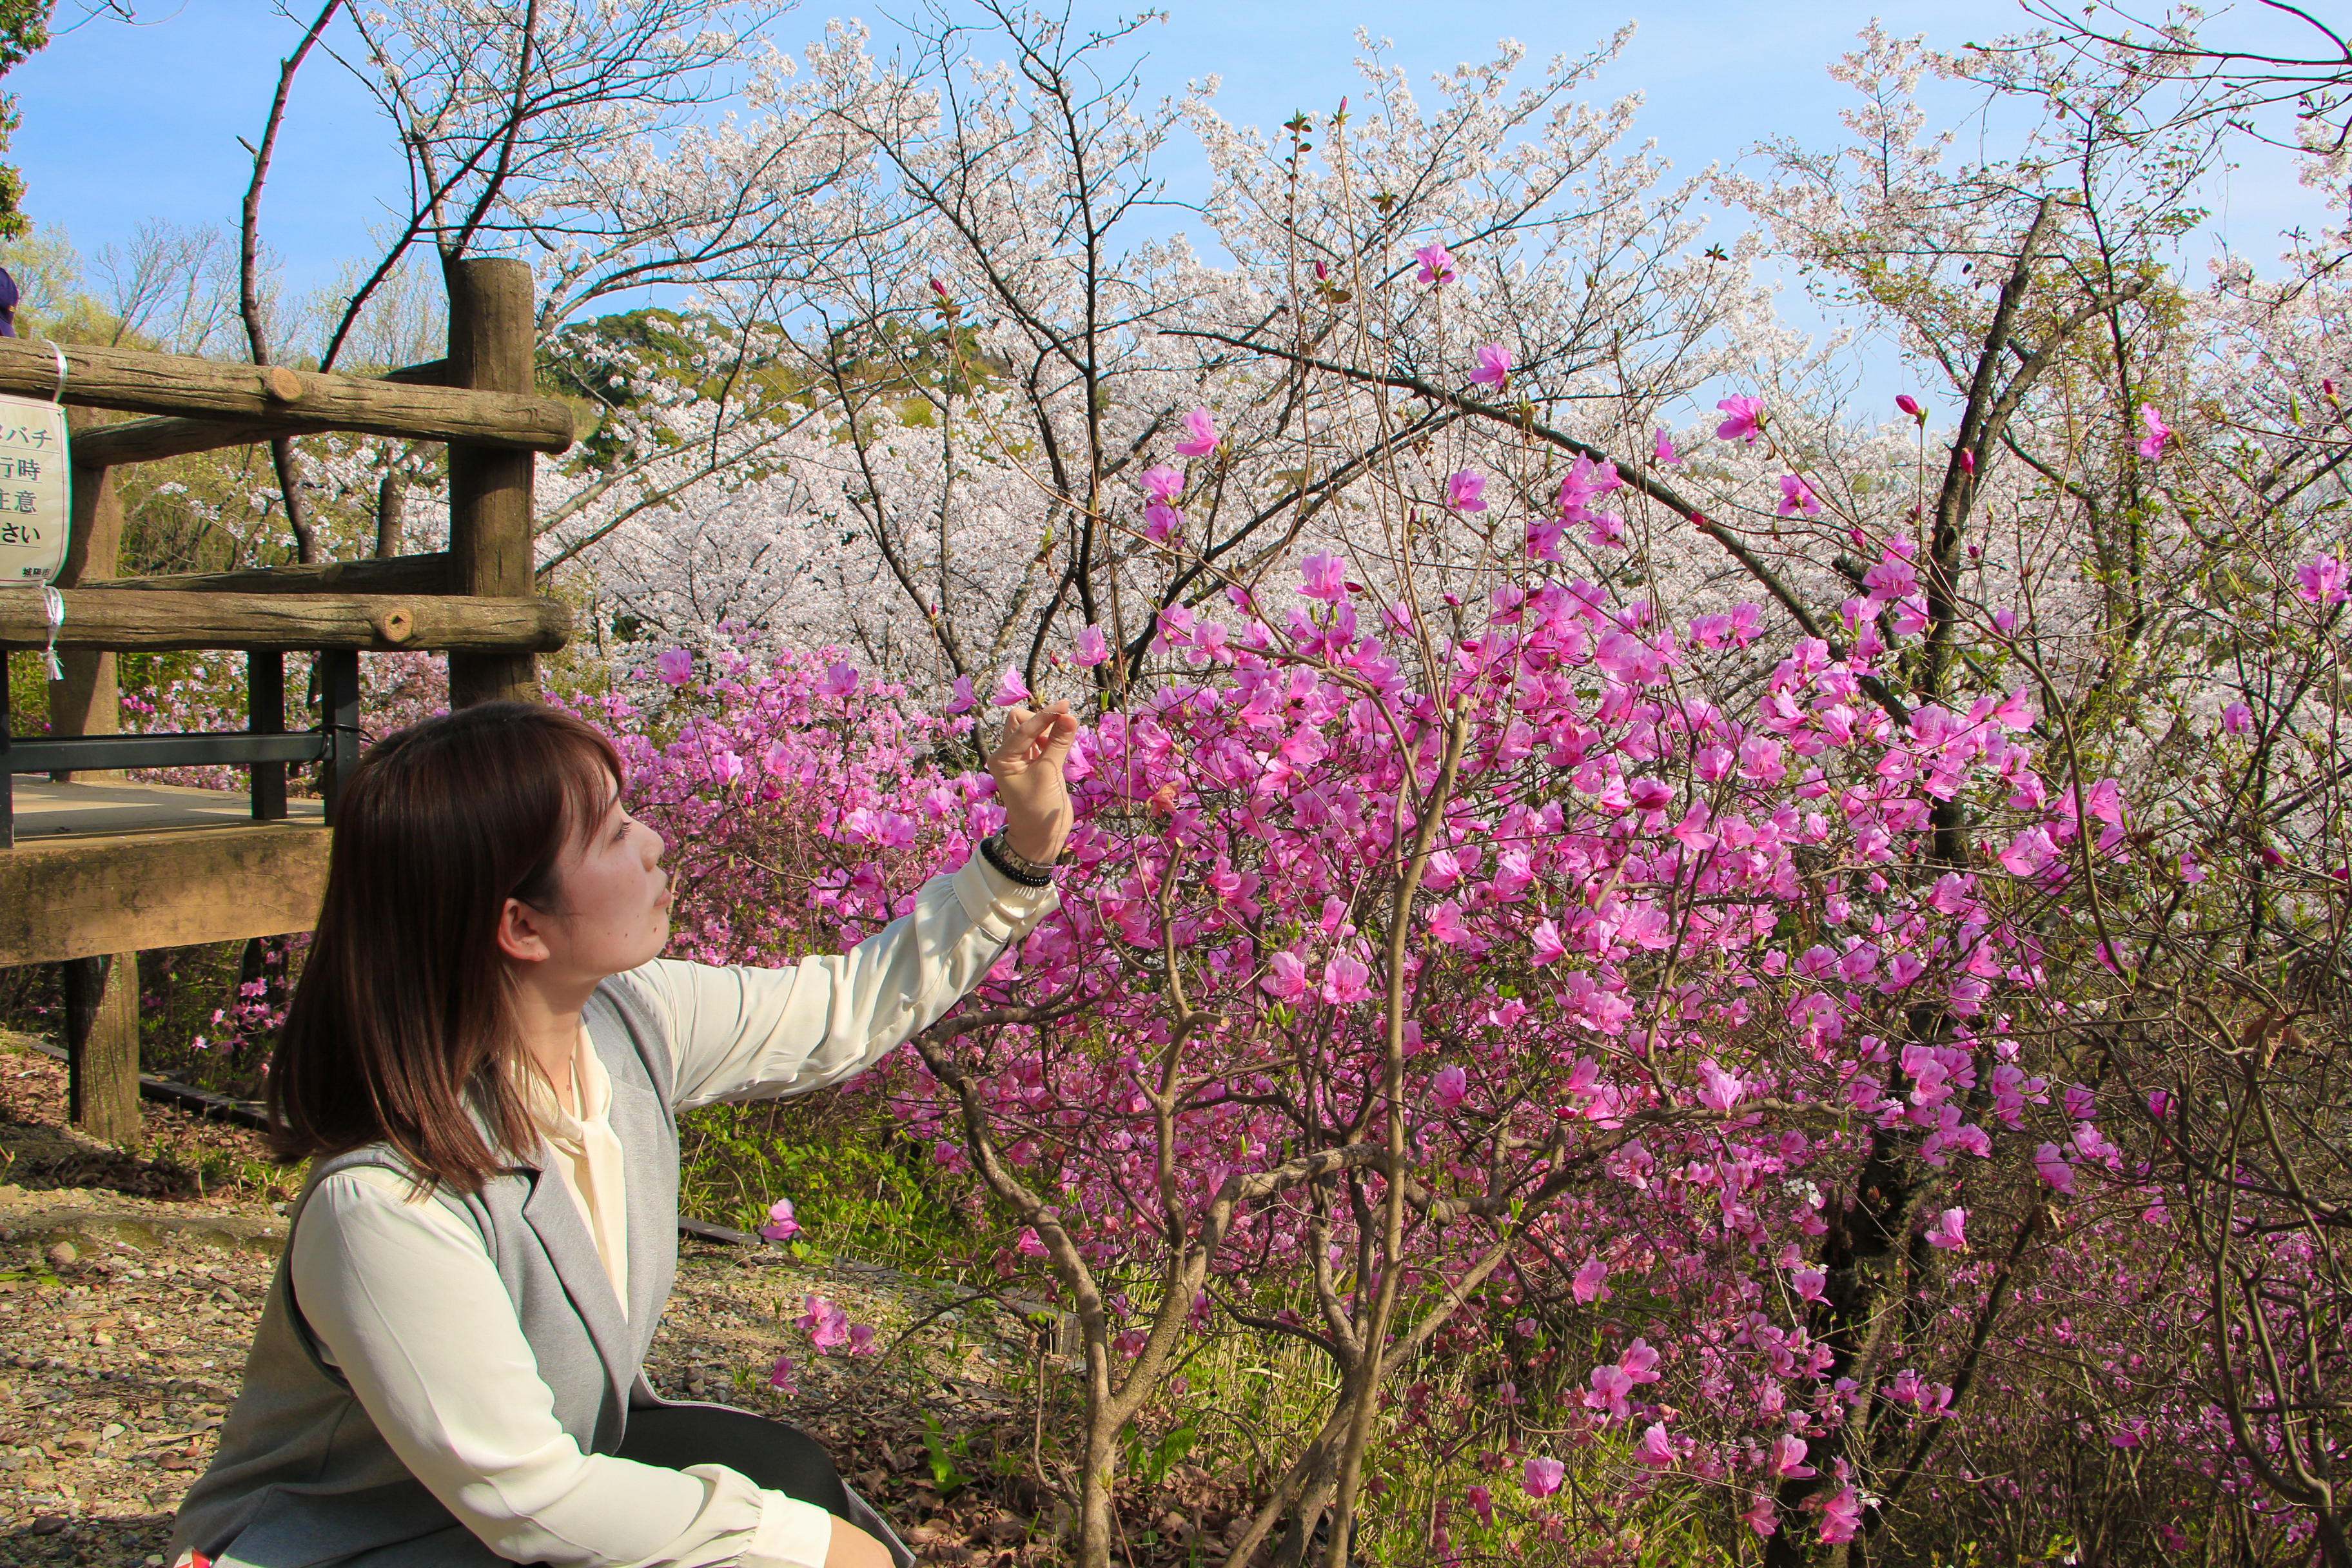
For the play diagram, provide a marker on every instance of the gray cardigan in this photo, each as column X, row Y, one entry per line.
column 302, row 1477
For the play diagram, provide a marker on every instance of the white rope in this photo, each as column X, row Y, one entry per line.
column 54, row 603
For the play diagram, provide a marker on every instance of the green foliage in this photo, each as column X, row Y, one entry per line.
column 857, row 1188
column 942, row 1453
column 1149, row 1460
column 24, row 32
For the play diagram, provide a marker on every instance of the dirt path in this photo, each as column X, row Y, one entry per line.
column 128, row 1288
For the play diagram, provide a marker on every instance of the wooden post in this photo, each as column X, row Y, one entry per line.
column 87, row 702
column 102, row 993
column 492, row 343
column 264, row 709
column 103, row 1045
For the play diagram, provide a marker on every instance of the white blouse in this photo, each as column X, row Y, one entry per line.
column 407, row 1304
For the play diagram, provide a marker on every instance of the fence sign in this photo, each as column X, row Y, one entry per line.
column 35, row 508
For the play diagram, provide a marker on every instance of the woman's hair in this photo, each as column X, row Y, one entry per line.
column 403, row 1017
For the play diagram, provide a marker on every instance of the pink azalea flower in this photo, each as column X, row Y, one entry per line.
column 1809, row 1282
column 1656, row 1449
column 1436, row 264
column 1910, row 405
column 1091, row 648
column 1162, row 484
column 1542, row 1477
column 1326, row 577
column 2051, row 1165
column 1609, row 1387
column 1344, row 980
column 1786, row 1460
column 1286, row 977
column 781, row 1226
column 1493, row 366
column 959, row 698
column 838, row 681
column 1161, row 523
column 1949, row 1231
column 1662, row 447
column 2318, row 581
column 2152, row 443
column 1203, row 433
column 827, row 1324
column 1585, row 482
column 1841, row 1517
column 1893, row 578
column 1546, row 939
column 1028, row 1244
column 1796, row 496
column 1449, row 1089
column 2238, row 719
column 780, row 1376
column 675, row 665
column 1010, row 689
column 861, row 1340
column 1718, row 1090
column 1747, row 419
column 1446, row 924
column 1465, row 491
column 1482, row 1503
column 1590, row 1282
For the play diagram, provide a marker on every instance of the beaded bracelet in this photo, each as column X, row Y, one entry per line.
column 1013, row 864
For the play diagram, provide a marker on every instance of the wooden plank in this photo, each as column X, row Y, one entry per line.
column 491, row 334
column 82, row 896
column 150, row 619
column 47, row 812
column 276, row 401
column 151, row 440
column 400, row 574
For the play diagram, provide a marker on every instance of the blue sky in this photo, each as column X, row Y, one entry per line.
column 123, row 123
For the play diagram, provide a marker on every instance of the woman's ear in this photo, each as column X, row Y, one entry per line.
column 520, row 936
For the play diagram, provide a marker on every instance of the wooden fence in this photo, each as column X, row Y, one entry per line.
column 92, row 870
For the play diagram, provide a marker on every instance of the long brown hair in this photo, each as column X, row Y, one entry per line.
column 404, row 1013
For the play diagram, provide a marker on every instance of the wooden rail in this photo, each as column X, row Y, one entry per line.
column 401, row 574
column 122, row 617
column 205, row 397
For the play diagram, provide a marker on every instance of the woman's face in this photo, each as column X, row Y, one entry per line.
column 612, row 900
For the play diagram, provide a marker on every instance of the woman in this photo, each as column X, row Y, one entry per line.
column 484, row 1061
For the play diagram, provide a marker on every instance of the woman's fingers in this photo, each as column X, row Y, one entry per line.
column 1025, row 727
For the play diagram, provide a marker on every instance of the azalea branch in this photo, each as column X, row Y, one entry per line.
column 1636, row 476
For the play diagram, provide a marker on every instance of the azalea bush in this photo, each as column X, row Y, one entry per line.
column 1439, row 1016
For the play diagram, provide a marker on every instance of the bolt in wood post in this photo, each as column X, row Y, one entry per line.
column 492, row 340
column 103, row 1045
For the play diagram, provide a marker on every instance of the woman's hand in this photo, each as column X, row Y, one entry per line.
column 1028, row 766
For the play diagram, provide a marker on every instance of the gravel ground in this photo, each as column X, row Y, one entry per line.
column 128, row 1293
